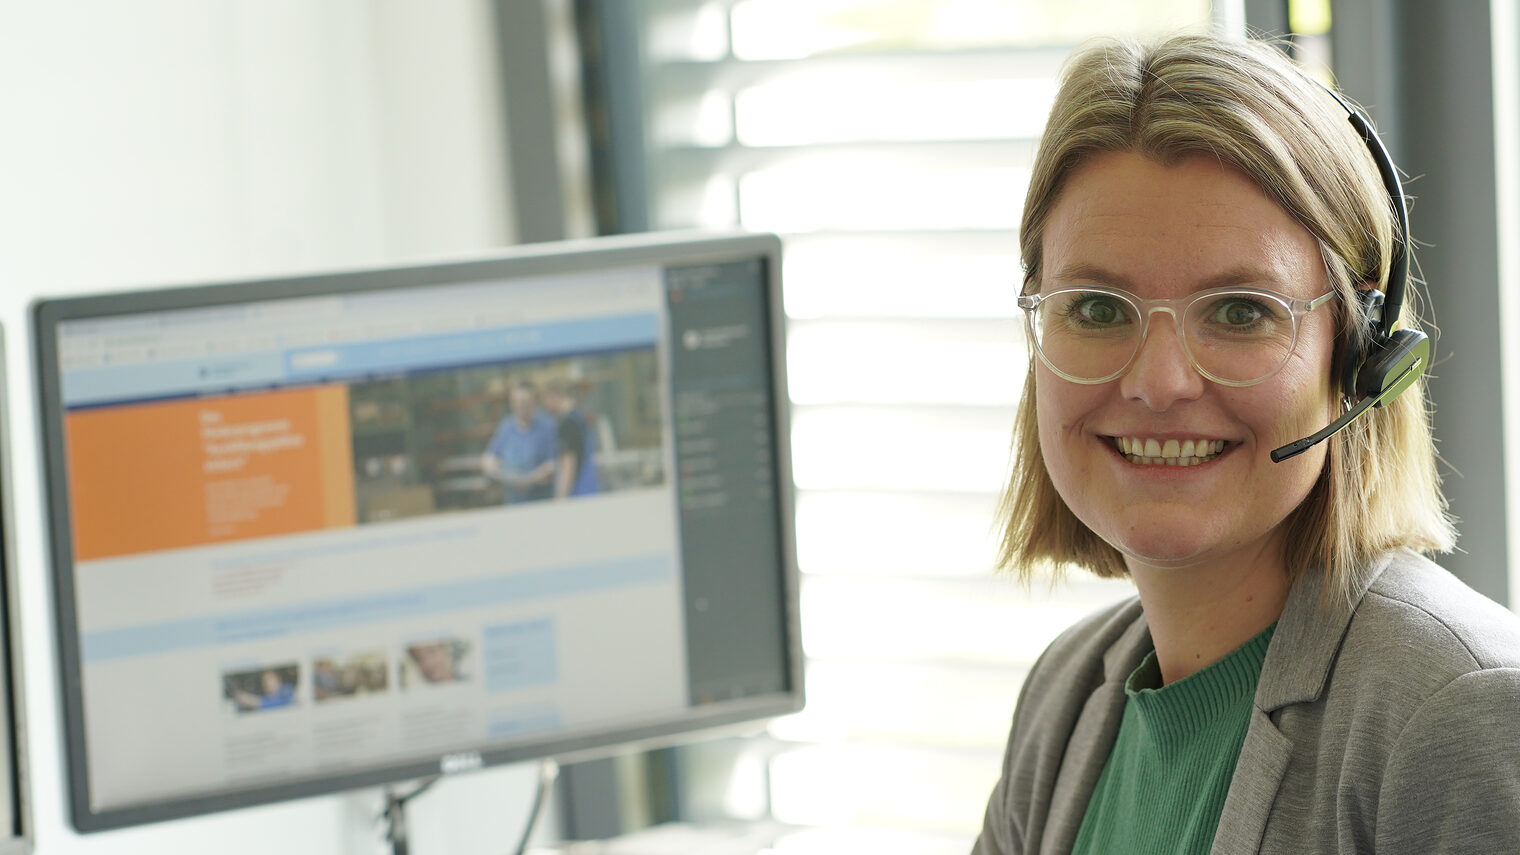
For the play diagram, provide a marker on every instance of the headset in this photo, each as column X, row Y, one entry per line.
column 1377, row 372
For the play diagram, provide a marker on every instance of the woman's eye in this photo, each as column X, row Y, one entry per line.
column 1099, row 309
column 1238, row 313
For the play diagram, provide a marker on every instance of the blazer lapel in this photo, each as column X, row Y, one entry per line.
column 1091, row 741
column 1253, row 789
column 1295, row 671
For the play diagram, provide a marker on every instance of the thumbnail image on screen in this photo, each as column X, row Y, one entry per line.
column 500, row 434
column 320, row 533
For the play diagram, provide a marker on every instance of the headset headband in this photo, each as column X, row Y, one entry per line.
column 1398, row 267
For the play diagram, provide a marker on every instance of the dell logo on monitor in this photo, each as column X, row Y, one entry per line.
column 464, row 761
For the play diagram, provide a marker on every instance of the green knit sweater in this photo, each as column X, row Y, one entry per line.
column 1163, row 787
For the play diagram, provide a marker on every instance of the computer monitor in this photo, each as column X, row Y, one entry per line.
column 331, row 531
column 15, row 805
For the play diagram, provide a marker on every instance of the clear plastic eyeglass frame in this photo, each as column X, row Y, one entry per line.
column 1178, row 309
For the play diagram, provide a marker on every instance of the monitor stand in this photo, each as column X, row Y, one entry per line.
column 477, row 813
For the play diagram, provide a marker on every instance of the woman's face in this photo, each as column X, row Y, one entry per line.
column 1165, row 232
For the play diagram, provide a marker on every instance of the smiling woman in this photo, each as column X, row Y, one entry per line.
column 1206, row 243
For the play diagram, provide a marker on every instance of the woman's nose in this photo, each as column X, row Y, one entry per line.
column 1161, row 373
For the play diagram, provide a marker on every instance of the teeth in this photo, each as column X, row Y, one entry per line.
column 1154, row 452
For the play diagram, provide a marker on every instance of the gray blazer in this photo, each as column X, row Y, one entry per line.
column 1391, row 726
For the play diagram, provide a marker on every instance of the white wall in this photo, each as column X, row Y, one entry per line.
column 162, row 141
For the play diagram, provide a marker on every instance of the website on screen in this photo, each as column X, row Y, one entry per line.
column 334, row 533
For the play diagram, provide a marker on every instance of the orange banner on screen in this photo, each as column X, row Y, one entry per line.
column 186, row 473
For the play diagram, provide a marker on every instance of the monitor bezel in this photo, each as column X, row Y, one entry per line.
column 677, row 249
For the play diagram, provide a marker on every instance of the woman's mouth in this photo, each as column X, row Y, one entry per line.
column 1149, row 451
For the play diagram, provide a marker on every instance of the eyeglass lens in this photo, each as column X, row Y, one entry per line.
column 1236, row 337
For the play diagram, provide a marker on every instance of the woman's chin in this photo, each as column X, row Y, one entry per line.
column 1168, row 553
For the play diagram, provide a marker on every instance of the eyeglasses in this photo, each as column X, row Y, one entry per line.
column 1233, row 336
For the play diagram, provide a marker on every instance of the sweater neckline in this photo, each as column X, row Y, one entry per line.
column 1177, row 711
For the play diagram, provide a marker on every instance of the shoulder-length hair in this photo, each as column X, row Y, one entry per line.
column 1249, row 107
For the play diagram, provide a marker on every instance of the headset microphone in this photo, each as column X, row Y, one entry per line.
column 1393, row 360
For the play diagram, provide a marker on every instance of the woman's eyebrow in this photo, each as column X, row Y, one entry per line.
column 1091, row 274
column 1241, row 276
column 1096, row 275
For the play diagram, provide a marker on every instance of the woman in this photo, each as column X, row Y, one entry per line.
column 1294, row 677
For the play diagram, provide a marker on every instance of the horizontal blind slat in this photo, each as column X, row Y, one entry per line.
column 903, row 534
column 974, row 363
column 891, row 448
column 993, row 621
column 926, row 281
column 906, row 704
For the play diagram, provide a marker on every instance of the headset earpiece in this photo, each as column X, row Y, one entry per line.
column 1380, row 370
column 1391, row 361
column 1393, row 366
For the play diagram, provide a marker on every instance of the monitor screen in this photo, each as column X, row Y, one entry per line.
column 331, row 531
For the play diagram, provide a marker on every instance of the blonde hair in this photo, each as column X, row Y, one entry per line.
column 1248, row 106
